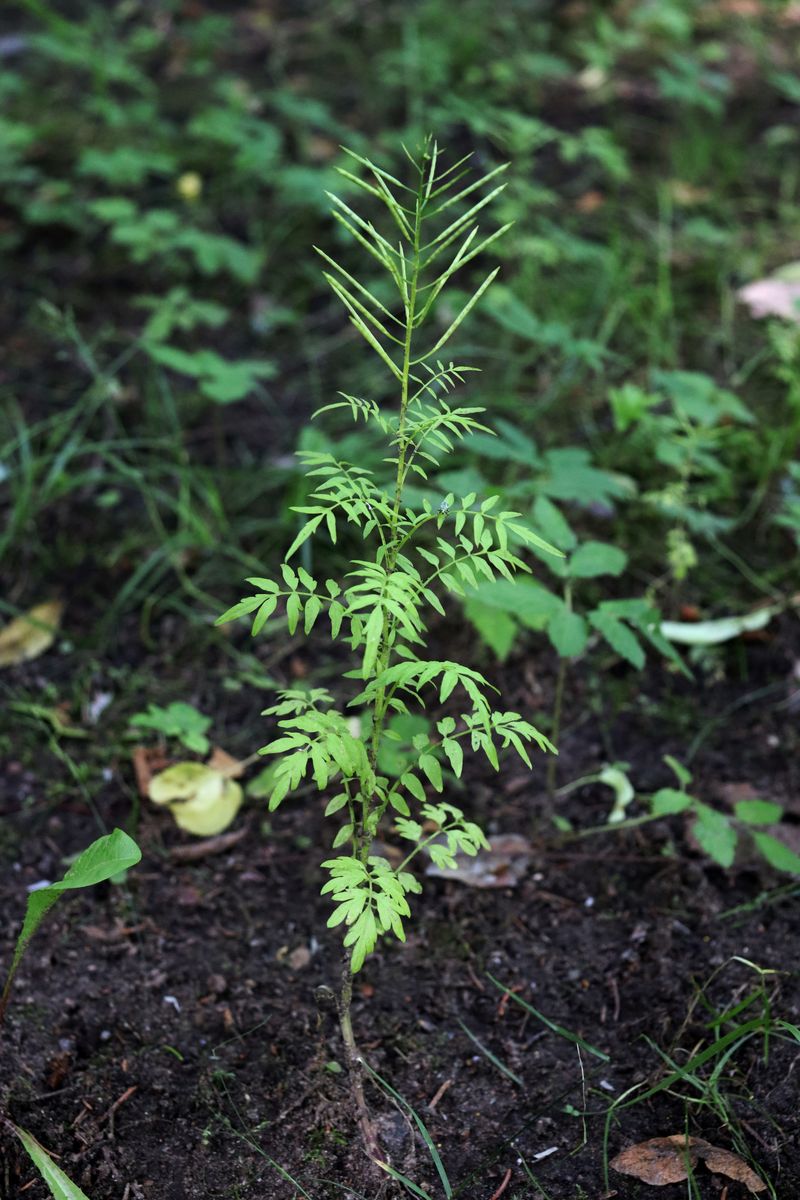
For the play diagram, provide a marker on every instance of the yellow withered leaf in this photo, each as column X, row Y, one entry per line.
column 202, row 800
column 30, row 635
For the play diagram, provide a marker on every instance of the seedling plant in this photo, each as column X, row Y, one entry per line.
column 413, row 558
column 107, row 857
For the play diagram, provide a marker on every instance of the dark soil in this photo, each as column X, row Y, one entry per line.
column 167, row 1042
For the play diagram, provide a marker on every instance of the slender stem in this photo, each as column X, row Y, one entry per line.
column 557, row 708
column 361, row 839
column 379, row 710
column 355, row 1065
column 558, row 704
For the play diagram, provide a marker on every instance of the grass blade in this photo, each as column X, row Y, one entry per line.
column 59, row 1185
column 108, row 856
column 426, row 1137
column 559, row 1029
column 492, row 1057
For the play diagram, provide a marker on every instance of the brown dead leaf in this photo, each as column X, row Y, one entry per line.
column 658, row 1161
column 664, row 1160
column 589, row 202
column 225, row 763
column 724, row 1162
column 30, row 635
column 502, row 866
column 147, row 762
column 299, row 959
column 57, row 1069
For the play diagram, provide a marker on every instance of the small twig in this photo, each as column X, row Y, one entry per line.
column 209, row 846
column 613, row 987
column 126, row 1095
column 441, row 1091
column 506, row 1181
column 503, row 1005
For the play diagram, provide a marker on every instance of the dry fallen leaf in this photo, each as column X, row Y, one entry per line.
column 30, row 635
column 503, row 865
column 225, row 763
column 589, row 202
column 660, row 1161
column 725, row 1162
column 147, row 760
column 202, row 800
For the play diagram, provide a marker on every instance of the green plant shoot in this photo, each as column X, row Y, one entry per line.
column 108, row 856
column 417, row 557
column 105, row 858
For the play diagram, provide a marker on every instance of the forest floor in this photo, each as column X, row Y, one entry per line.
column 168, row 1040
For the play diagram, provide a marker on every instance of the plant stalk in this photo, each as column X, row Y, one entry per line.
column 558, row 706
column 355, row 1066
column 552, row 761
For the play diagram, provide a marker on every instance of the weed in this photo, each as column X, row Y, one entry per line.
column 716, row 832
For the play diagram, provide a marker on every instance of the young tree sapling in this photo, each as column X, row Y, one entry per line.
column 414, row 557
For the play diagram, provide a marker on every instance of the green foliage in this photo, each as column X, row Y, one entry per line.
column 718, row 833
column 58, row 1184
column 498, row 612
column 419, row 557
column 177, row 720
column 692, row 430
column 107, row 857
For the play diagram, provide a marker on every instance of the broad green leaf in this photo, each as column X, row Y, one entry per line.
column 715, row 835
column 553, row 524
column 568, row 633
column 777, row 854
column 60, row 1185
column 305, row 533
column 335, row 804
column 667, row 801
column 455, row 756
column 294, row 608
column 264, row 613
column 618, row 636
column 495, row 627
column 313, row 609
column 245, row 606
column 412, row 784
column 758, row 812
column 108, row 856
column 372, row 640
column 431, row 767
column 597, row 558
